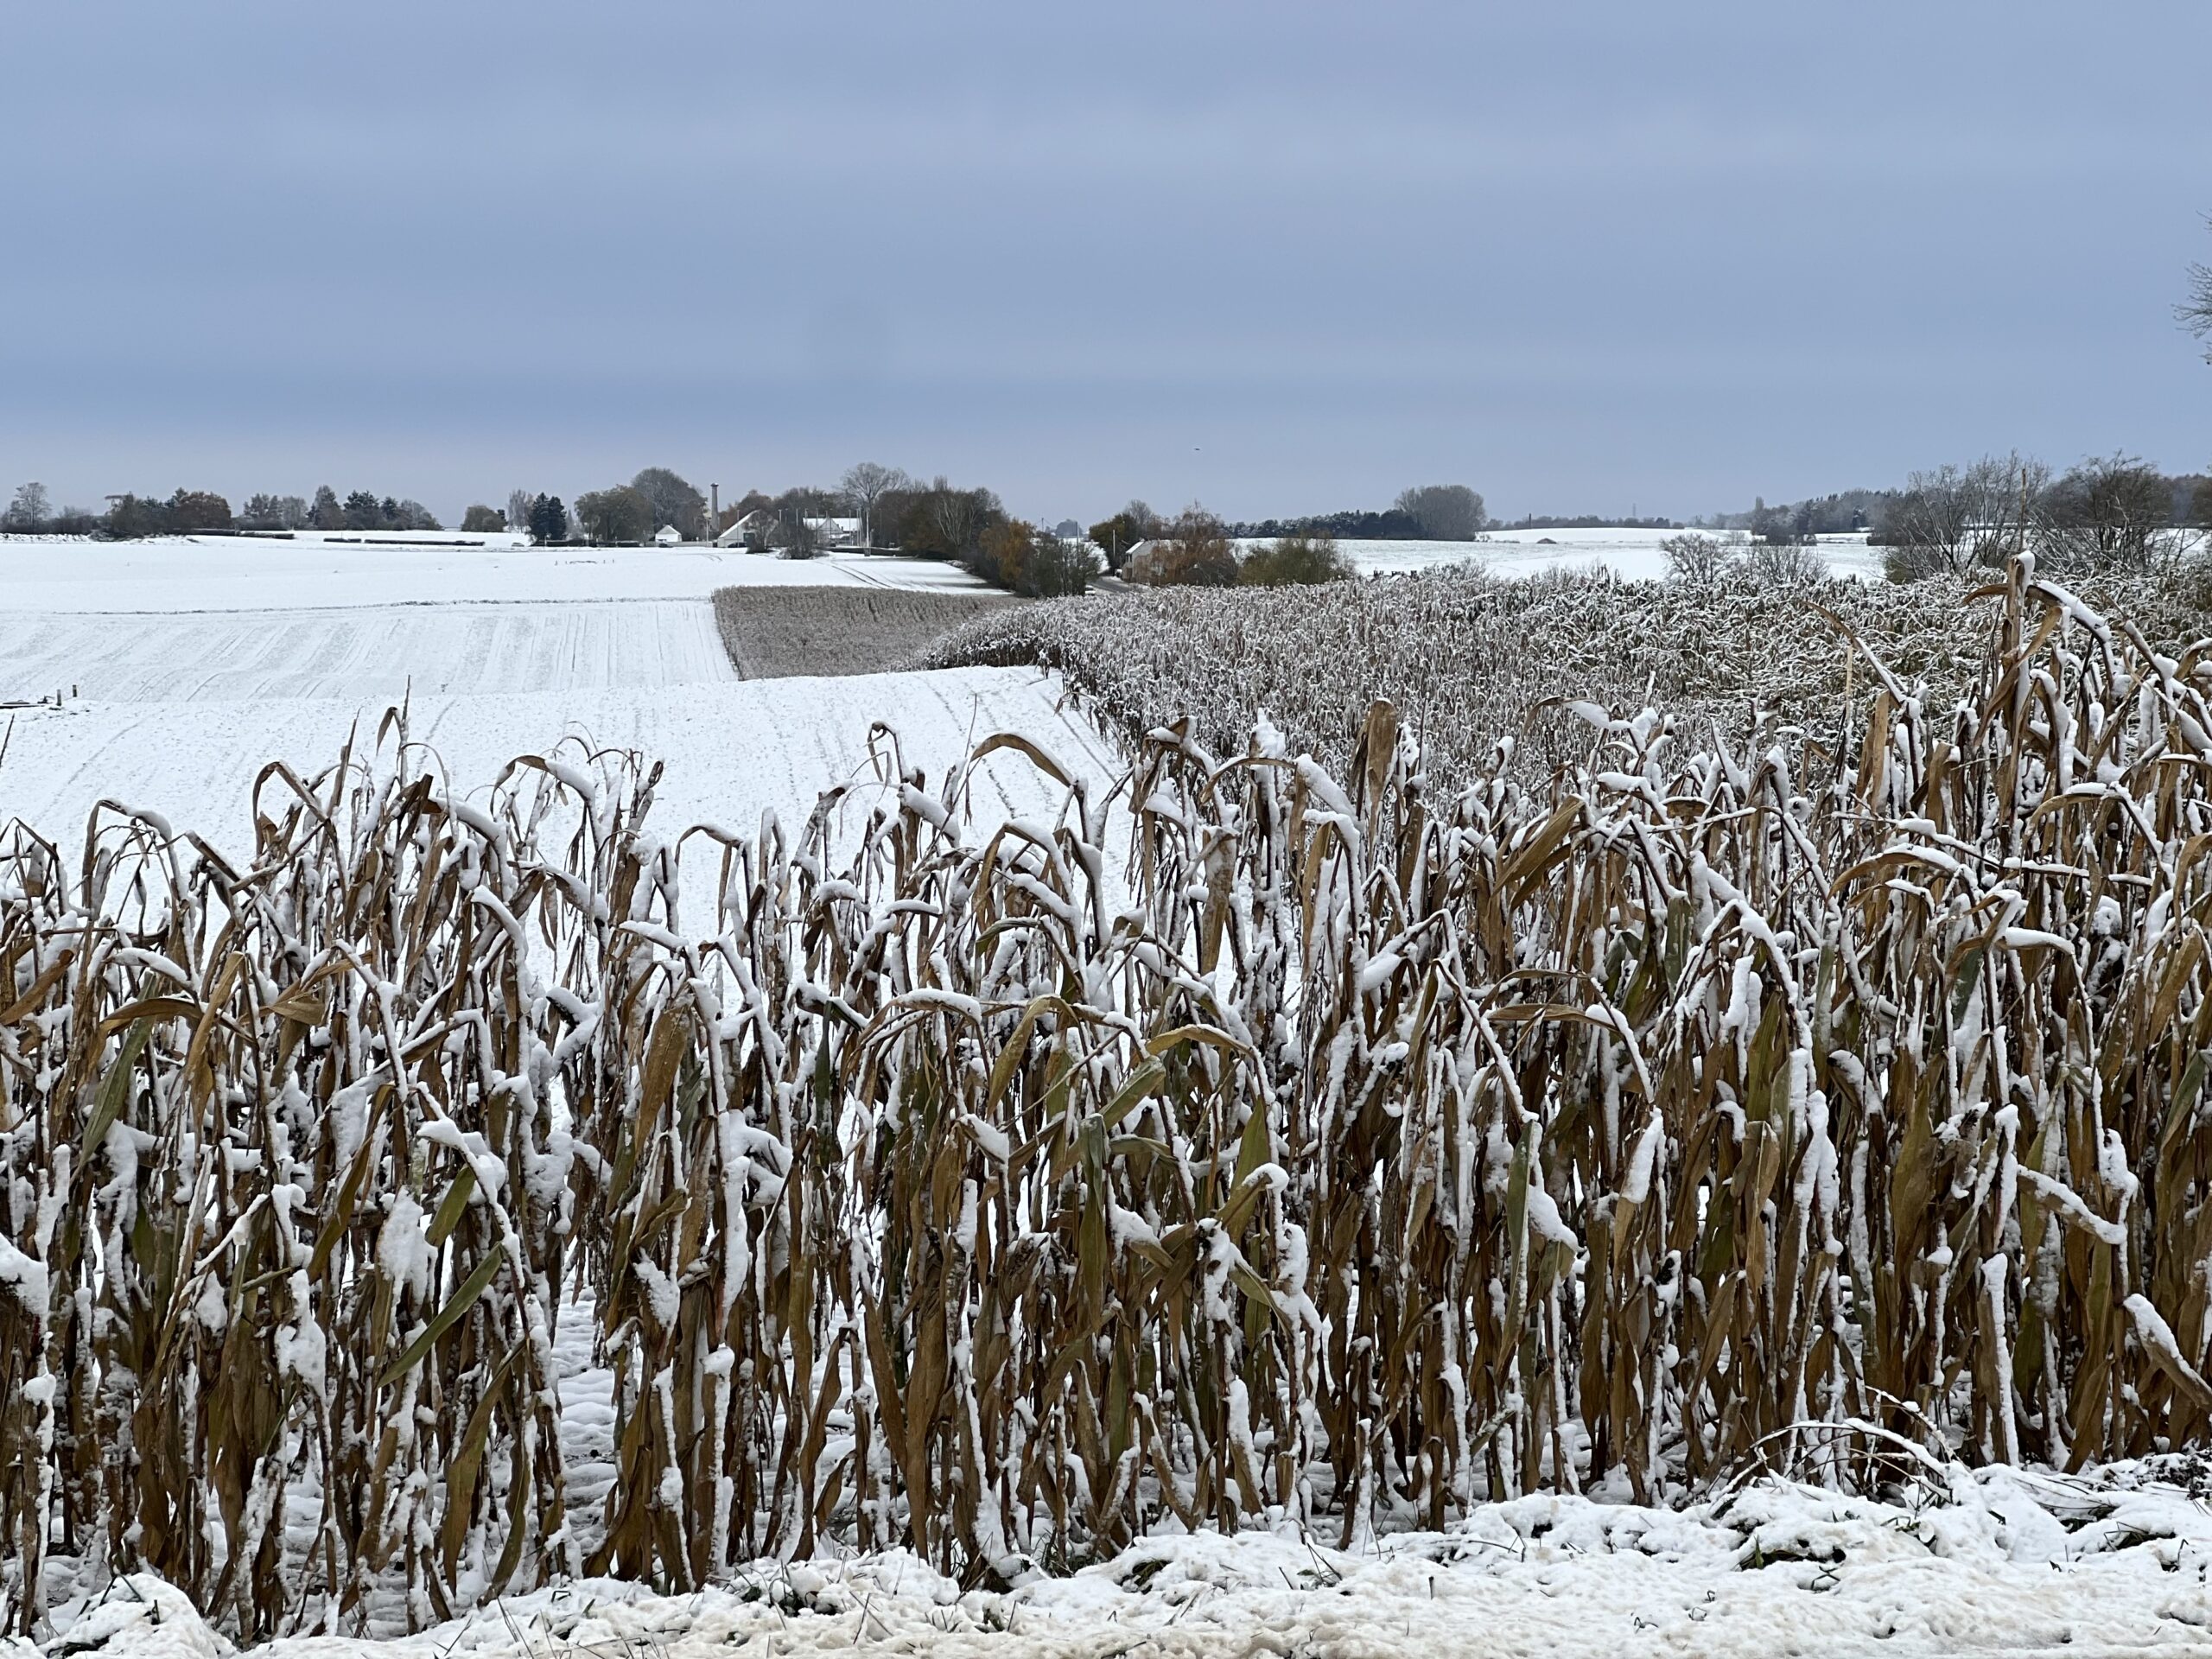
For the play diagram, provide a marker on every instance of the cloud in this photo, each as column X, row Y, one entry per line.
column 1572, row 253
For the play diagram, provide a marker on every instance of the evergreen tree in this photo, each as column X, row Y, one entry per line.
column 549, row 520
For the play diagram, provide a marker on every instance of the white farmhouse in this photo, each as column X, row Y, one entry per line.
column 751, row 530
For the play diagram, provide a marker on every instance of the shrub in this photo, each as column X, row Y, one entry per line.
column 1193, row 551
column 481, row 519
column 1296, row 561
column 1025, row 558
column 1057, row 567
column 191, row 510
column 794, row 536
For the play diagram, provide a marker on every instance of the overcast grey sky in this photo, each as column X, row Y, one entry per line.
column 1280, row 257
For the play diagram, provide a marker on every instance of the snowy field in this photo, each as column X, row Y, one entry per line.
column 233, row 573
column 362, row 653
column 185, row 665
column 1631, row 553
column 733, row 748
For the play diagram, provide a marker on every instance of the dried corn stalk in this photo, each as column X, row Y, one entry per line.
column 1336, row 1151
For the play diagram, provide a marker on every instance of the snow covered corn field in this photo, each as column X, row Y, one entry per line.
column 1470, row 655
column 1402, row 1163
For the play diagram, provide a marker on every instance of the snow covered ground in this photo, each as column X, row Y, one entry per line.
column 733, row 748
column 362, row 653
column 2001, row 1562
column 178, row 573
column 1633, row 553
column 185, row 665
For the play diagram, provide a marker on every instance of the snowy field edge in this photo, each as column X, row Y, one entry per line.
column 2114, row 1560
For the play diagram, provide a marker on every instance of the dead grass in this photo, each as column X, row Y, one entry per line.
column 776, row 633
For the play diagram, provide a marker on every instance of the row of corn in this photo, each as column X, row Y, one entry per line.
column 1250, row 1145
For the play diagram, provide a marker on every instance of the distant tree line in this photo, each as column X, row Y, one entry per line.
column 1586, row 521
column 1954, row 510
column 2108, row 513
column 2113, row 514
column 1843, row 512
column 633, row 513
column 1429, row 513
column 183, row 512
column 31, row 513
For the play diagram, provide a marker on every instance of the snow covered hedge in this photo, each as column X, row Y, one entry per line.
column 1398, row 1150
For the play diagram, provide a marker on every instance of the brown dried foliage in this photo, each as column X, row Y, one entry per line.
column 1684, row 1117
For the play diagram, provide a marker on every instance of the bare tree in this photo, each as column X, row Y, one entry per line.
column 28, row 510
column 1059, row 565
column 866, row 484
column 519, row 503
column 2111, row 514
column 1698, row 560
column 1785, row 564
column 1928, row 523
column 945, row 522
column 1952, row 519
column 1446, row 512
column 2001, row 492
column 2196, row 312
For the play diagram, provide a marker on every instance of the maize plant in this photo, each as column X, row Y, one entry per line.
column 1261, row 1141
